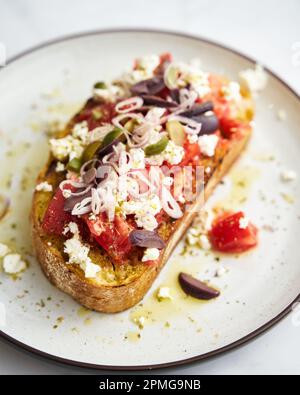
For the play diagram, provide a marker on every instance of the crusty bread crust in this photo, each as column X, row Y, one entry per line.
column 116, row 298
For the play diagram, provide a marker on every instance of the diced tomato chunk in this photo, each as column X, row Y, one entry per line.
column 55, row 218
column 192, row 154
column 105, row 112
column 227, row 234
column 112, row 236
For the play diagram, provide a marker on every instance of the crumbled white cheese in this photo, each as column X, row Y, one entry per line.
column 208, row 143
column 168, row 181
column 254, row 80
column 144, row 69
column 232, row 91
column 163, row 293
column 281, row 115
column 192, row 138
column 204, row 242
column 150, row 254
column 13, row 264
column 59, row 167
column 78, row 253
column 172, row 154
column 66, row 147
column 180, row 75
column 81, row 132
column 243, row 223
column 111, row 93
column 137, row 158
column 44, row 187
column 144, row 210
column 221, row 271
column 288, row 175
column 4, row 250
column 197, row 233
column 71, row 227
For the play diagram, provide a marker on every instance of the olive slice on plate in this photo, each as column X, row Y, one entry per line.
column 196, row 288
column 157, row 148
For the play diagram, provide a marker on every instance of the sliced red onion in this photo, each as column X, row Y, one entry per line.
column 89, row 176
column 71, row 201
column 169, row 204
column 84, row 207
column 131, row 104
column 87, row 165
column 117, row 120
column 146, row 239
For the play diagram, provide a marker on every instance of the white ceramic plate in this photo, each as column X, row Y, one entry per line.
column 260, row 287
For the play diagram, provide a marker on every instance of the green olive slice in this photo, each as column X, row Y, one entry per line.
column 157, row 148
column 74, row 165
column 176, row 132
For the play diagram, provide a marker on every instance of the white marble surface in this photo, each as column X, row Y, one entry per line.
column 268, row 31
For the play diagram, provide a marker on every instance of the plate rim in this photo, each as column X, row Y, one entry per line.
column 229, row 347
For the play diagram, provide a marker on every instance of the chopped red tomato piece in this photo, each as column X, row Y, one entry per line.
column 192, row 154
column 55, row 218
column 97, row 115
column 112, row 236
column 230, row 233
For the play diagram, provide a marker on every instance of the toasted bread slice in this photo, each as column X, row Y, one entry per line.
column 117, row 288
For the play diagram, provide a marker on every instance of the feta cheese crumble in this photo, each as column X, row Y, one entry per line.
column 172, row 154
column 243, row 223
column 137, row 158
column 232, row 91
column 179, row 75
column 163, row 293
column 144, row 69
column 150, row 254
column 288, row 175
column 144, row 210
column 72, row 145
column 78, row 252
column 110, row 93
column 44, row 187
column 281, row 115
column 208, row 143
column 204, row 242
column 254, row 80
column 59, row 167
column 13, row 264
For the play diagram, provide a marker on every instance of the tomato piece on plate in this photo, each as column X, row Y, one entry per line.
column 55, row 218
column 112, row 236
column 229, row 235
